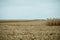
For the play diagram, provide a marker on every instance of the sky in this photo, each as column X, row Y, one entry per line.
column 29, row 9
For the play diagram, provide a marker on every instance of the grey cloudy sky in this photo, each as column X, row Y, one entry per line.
column 29, row 9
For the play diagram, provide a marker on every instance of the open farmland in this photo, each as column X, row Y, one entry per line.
column 28, row 30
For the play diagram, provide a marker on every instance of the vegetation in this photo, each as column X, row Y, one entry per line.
column 53, row 22
column 31, row 30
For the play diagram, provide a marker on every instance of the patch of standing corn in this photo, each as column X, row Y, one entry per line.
column 53, row 22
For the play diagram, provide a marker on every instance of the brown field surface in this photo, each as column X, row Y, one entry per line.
column 28, row 30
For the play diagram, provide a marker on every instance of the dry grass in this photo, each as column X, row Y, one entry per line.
column 36, row 30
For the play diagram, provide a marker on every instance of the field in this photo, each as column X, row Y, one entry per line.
column 28, row 30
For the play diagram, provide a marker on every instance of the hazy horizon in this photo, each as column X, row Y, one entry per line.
column 29, row 9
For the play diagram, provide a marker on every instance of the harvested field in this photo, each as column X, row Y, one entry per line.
column 28, row 30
